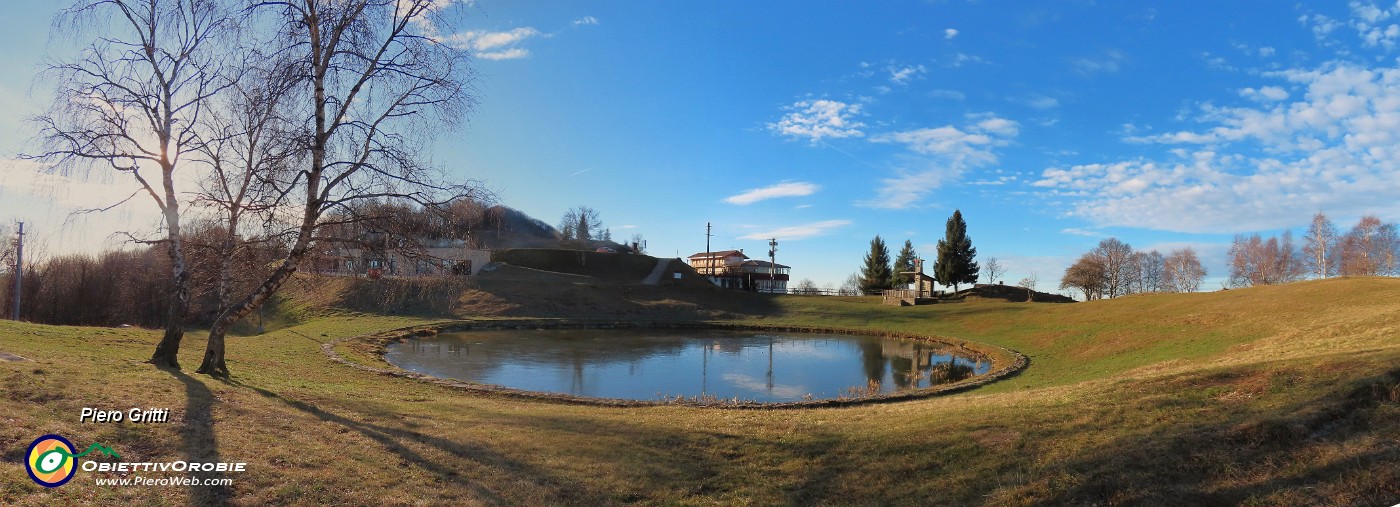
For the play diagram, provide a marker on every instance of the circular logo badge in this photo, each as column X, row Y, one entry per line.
column 50, row 461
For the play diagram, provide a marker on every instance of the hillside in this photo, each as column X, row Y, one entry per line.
column 1281, row 395
column 504, row 227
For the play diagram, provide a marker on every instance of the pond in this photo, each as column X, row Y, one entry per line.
column 708, row 365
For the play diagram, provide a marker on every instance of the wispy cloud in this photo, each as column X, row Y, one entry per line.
column 752, row 384
column 799, row 231
column 1042, row 102
column 946, row 153
column 902, row 75
column 586, row 20
column 947, row 94
column 815, row 120
column 785, row 189
column 1264, row 165
column 423, row 18
column 962, row 59
column 1265, row 94
column 495, row 45
column 1082, row 232
column 508, row 54
column 1106, row 63
column 949, row 33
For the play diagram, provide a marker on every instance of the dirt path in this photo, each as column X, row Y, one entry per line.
column 655, row 276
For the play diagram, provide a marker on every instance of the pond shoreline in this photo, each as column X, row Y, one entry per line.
column 1005, row 362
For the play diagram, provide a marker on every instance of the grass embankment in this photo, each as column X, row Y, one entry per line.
column 1278, row 395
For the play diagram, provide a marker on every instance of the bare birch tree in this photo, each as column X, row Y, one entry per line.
column 1182, row 271
column 1370, row 248
column 370, row 82
column 1256, row 261
column 993, row 269
column 130, row 103
column 1319, row 246
column 1116, row 257
column 246, row 146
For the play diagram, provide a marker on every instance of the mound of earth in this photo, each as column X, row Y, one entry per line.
column 1013, row 293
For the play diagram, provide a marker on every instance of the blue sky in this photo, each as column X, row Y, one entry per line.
column 1051, row 126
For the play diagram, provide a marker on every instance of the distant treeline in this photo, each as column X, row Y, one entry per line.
column 127, row 286
column 132, row 286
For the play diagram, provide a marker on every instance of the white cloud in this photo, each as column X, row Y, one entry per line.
column 1082, row 232
column 1322, row 26
column 484, row 41
column 785, row 189
column 799, row 231
column 969, row 143
column 423, row 19
column 509, row 54
column 752, row 384
column 1107, row 63
column 1265, row 94
column 1369, row 21
column 1000, row 180
column 1042, row 102
column 902, row 75
column 494, row 45
column 948, row 152
column 1266, row 51
column 1269, row 165
column 950, row 33
column 818, row 119
column 961, row 59
column 910, row 186
column 586, row 20
column 948, row 94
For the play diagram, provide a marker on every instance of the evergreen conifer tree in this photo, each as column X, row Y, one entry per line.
column 955, row 253
column 875, row 275
column 904, row 263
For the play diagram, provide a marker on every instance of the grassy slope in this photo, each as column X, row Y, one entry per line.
column 1275, row 395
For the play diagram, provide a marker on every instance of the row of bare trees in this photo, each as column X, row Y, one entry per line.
column 287, row 113
column 132, row 286
column 1370, row 248
column 1113, row 269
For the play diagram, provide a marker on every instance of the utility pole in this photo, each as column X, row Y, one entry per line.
column 19, row 269
column 773, row 264
column 709, row 260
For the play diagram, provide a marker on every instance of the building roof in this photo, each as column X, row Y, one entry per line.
column 723, row 254
column 764, row 264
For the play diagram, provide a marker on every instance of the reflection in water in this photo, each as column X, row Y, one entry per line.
column 652, row 364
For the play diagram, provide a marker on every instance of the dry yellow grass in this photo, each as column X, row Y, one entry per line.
column 1283, row 395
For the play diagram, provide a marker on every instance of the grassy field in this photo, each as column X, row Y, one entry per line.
column 1286, row 395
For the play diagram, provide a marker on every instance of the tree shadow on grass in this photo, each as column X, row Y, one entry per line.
column 689, row 465
column 402, row 442
column 1298, row 451
column 199, row 443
